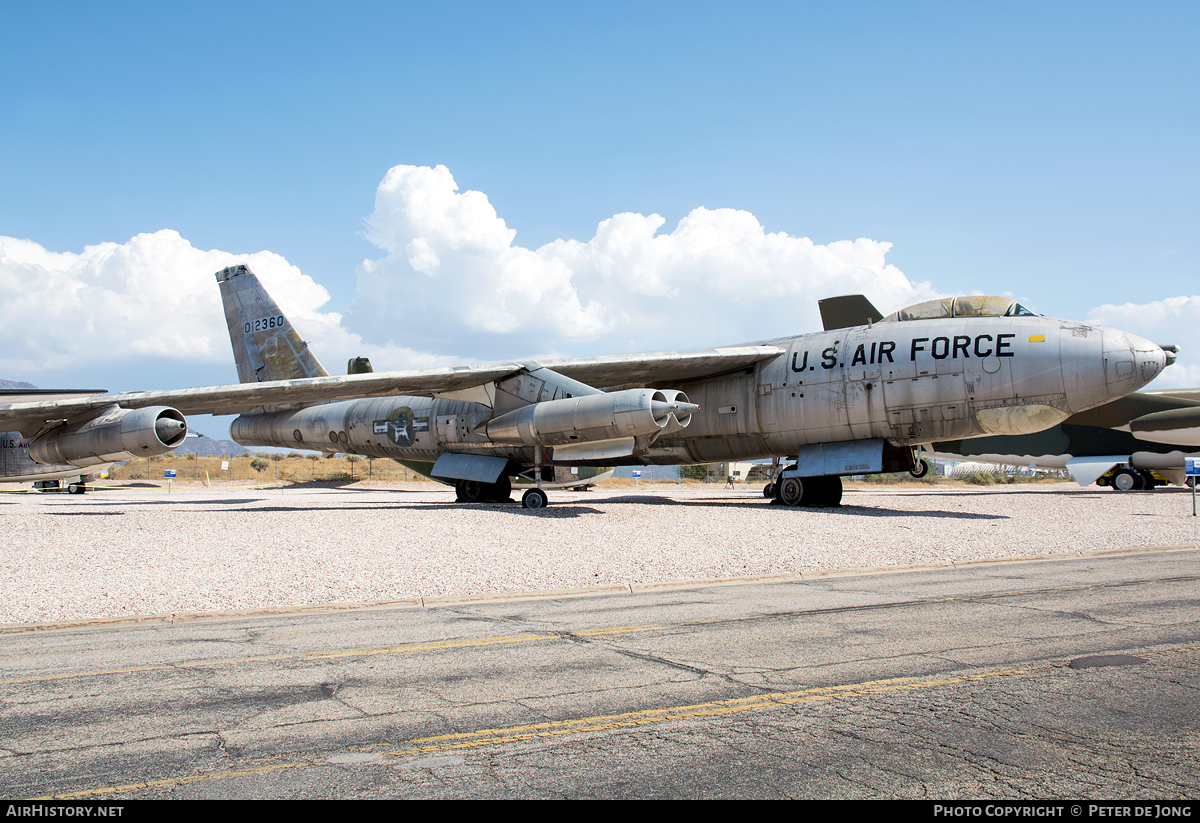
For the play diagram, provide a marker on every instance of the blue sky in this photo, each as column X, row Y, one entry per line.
column 1042, row 150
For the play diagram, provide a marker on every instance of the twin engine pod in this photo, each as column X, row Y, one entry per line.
column 593, row 417
column 115, row 434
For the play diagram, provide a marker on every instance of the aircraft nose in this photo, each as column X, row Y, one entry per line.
column 1130, row 361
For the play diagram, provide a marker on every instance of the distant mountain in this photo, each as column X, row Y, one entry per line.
column 205, row 446
column 15, row 384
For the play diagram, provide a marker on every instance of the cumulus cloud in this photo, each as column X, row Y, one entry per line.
column 453, row 281
column 452, row 285
column 151, row 297
column 1173, row 320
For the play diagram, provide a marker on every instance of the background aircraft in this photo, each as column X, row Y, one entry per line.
column 1121, row 444
column 844, row 401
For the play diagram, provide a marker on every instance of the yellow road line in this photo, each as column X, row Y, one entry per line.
column 612, row 722
column 617, row 722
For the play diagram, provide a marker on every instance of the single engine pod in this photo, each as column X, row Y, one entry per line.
column 114, row 434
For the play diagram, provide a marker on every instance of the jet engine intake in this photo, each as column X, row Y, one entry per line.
column 114, row 434
column 628, row 413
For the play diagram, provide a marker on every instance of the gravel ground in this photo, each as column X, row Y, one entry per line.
column 125, row 552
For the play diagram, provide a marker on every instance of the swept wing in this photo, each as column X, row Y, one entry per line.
column 239, row 398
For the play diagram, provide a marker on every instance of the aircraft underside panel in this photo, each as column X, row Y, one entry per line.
column 475, row 467
column 849, row 457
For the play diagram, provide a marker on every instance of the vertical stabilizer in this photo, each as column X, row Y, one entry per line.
column 265, row 345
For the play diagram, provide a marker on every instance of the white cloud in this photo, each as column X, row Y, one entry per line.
column 151, row 297
column 1173, row 320
column 452, row 280
column 452, row 284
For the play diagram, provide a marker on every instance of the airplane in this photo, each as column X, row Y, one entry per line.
column 855, row 399
column 1126, row 444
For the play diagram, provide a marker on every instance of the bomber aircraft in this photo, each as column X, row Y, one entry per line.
column 849, row 400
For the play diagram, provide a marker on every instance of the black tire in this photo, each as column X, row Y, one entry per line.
column 499, row 491
column 1127, row 480
column 831, row 493
column 1148, row 481
column 469, row 491
column 791, row 491
column 534, row 499
column 769, row 490
column 918, row 471
column 76, row 488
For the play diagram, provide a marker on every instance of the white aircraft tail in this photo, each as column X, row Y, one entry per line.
column 265, row 344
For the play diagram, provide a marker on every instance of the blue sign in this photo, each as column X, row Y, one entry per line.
column 1191, row 466
column 637, row 474
column 169, row 474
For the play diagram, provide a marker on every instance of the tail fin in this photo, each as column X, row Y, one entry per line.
column 265, row 345
column 848, row 311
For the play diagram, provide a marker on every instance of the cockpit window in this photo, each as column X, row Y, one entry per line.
column 970, row 306
column 980, row 306
column 928, row 310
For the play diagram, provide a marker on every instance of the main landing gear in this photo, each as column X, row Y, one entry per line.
column 807, row 491
column 1132, row 480
column 472, row 491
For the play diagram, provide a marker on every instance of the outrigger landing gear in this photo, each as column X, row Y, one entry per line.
column 534, row 499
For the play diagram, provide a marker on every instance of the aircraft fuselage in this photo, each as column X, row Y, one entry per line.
column 906, row 381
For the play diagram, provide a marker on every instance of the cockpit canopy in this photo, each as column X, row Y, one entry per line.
column 972, row 306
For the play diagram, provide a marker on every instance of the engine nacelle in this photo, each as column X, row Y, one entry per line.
column 593, row 417
column 114, row 434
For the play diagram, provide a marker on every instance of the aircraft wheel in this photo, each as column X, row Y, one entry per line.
column 534, row 499
column 1148, row 481
column 469, row 491
column 499, row 491
column 1127, row 480
column 920, row 470
column 831, row 492
column 76, row 488
column 769, row 490
column 791, row 491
